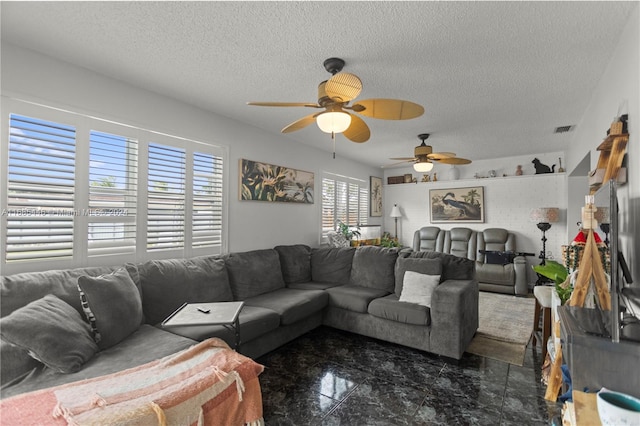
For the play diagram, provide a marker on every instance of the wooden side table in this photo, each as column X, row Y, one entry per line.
column 215, row 313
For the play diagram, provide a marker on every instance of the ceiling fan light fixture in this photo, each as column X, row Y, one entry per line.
column 423, row 166
column 333, row 121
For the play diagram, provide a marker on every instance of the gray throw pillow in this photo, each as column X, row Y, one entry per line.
column 421, row 266
column 52, row 332
column 113, row 306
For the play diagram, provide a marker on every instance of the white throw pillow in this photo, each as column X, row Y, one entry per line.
column 418, row 288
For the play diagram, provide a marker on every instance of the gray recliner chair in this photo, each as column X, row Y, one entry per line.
column 499, row 274
column 509, row 275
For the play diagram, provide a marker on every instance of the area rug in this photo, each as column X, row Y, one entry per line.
column 506, row 323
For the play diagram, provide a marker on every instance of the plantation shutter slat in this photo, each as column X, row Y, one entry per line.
column 166, row 197
column 40, row 190
column 113, row 176
column 206, row 221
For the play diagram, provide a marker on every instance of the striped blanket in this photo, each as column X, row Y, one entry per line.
column 206, row 384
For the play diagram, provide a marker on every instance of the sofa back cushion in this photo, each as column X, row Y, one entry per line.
column 461, row 242
column 19, row 290
column 428, row 238
column 332, row 264
column 453, row 267
column 295, row 262
column 420, row 265
column 167, row 284
column 374, row 267
column 255, row 272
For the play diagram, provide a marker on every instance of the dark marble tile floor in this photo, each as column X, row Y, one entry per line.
column 331, row 377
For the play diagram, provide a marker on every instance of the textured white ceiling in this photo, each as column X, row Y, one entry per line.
column 495, row 78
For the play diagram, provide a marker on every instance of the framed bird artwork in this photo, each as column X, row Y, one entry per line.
column 453, row 205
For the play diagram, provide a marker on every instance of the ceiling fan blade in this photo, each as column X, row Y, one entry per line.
column 388, row 109
column 300, row 124
column 358, row 131
column 284, row 104
column 452, row 160
column 400, row 162
column 404, row 158
column 439, row 155
column 343, row 87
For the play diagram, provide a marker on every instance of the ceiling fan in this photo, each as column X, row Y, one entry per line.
column 334, row 96
column 424, row 157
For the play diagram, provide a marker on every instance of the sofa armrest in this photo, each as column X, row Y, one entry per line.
column 454, row 317
column 520, row 269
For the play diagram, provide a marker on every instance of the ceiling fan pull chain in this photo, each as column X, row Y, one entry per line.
column 333, row 138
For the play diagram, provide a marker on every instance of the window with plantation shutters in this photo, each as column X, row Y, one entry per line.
column 345, row 200
column 207, row 200
column 113, row 176
column 166, row 197
column 40, row 190
column 77, row 190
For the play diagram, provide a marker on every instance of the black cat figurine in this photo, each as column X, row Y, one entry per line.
column 542, row 168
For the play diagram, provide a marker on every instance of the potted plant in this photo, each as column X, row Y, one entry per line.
column 388, row 241
column 348, row 233
column 558, row 273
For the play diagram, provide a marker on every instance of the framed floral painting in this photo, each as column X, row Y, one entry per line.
column 267, row 182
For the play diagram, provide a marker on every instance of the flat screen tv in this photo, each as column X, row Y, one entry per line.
column 606, row 201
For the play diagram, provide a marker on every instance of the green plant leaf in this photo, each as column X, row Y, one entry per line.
column 552, row 270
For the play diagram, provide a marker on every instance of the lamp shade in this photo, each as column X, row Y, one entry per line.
column 333, row 121
column 395, row 211
column 423, row 166
column 545, row 215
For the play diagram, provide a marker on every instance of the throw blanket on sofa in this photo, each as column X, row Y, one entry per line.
column 206, row 384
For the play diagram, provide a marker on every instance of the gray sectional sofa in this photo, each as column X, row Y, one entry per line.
column 502, row 270
column 287, row 290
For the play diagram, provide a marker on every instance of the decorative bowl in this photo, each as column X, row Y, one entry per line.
column 618, row 409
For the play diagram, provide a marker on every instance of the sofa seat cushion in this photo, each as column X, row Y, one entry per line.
column 254, row 322
column 167, row 284
column 496, row 274
column 292, row 305
column 389, row 307
column 312, row 285
column 295, row 262
column 146, row 344
column 374, row 267
column 353, row 297
column 332, row 265
column 255, row 272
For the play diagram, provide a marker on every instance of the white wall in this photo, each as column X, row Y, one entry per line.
column 618, row 92
column 252, row 225
column 508, row 204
